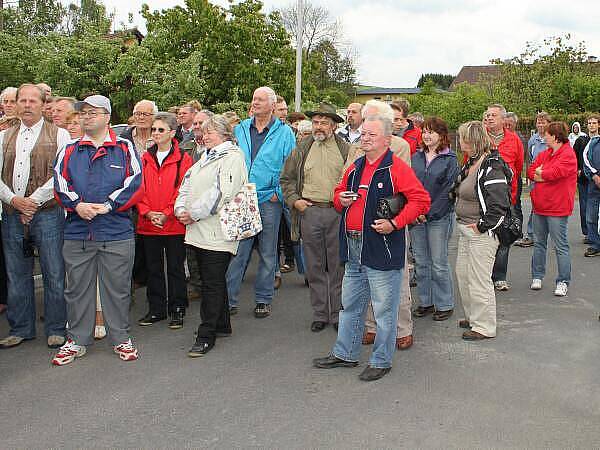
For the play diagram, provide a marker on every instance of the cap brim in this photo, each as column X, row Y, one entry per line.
column 332, row 116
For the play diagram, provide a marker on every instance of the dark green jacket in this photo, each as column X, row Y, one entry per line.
column 292, row 177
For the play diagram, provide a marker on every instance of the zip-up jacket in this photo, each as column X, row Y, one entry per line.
column 438, row 179
column 161, row 187
column 591, row 164
column 511, row 151
column 493, row 192
column 110, row 174
column 579, row 147
column 413, row 136
column 264, row 171
column 382, row 251
column 555, row 196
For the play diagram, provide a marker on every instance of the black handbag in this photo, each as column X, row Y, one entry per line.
column 510, row 230
column 390, row 207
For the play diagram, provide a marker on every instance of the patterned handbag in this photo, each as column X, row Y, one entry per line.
column 240, row 218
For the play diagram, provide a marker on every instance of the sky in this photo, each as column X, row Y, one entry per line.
column 397, row 40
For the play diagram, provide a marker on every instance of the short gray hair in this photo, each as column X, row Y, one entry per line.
column 383, row 109
column 166, row 117
column 500, row 107
column 154, row 107
column 386, row 122
column 8, row 90
column 220, row 124
column 305, row 126
column 271, row 95
column 207, row 112
column 511, row 115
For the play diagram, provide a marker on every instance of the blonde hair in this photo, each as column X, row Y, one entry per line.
column 475, row 134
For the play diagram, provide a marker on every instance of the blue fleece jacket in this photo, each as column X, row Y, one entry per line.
column 437, row 179
column 264, row 171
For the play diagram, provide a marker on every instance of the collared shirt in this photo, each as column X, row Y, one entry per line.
column 356, row 211
column 258, row 138
column 349, row 135
column 536, row 145
column 323, row 169
column 26, row 140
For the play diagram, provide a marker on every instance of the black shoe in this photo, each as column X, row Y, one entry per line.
column 150, row 319
column 223, row 333
column 233, row 310
column 200, row 348
column 442, row 315
column 262, row 310
column 373, row 373
column 591, row 251
column 176, row 321
column 330, row 361
column 317, row 326
column 336, row 326
column 422, row 311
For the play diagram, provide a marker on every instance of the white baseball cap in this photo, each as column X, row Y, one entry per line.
column 97, row 101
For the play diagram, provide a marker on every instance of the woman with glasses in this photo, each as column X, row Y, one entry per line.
column 483, row 199
column 208, row 186
column 164, row 165
column 436, row 168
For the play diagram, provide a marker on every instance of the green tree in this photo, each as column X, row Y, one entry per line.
column 441, row 81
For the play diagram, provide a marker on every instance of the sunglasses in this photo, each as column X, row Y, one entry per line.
column 160, row 130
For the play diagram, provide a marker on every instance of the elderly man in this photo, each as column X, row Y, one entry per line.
column 309, row 176
column 8, row 98
column 266, row 143
column 61, row 108
column 404, row 127
column 196, row 147
column 351, row 132
column 373, row 248
column 97, row 180
column 185, row 118
column 31, row 218
column 510, row 148
column 140, row 133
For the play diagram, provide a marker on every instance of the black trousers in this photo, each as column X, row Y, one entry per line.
column 214, row 306
column 158, row 301
column 3, row 276
column 285, row 242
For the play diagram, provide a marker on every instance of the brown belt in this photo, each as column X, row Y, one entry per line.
column 320, row 204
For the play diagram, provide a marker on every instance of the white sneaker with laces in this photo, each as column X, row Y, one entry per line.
column 502, row 285
column 68, row 352
column 126, row 351
column 536, row 284
column 561, row 289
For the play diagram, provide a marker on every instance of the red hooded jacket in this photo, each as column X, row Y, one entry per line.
column 161, row 189
column 511, row 151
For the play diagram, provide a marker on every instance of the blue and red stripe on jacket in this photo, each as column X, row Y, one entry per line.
column 111, row 173
column 379, row 251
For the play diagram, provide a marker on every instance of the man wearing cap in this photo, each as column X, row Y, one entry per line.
column 97, row 179
column 31, row 218
column 308, row 179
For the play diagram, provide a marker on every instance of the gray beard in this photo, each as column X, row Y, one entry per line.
column 320, row 137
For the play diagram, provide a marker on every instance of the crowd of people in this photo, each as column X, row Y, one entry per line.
column 353, row 204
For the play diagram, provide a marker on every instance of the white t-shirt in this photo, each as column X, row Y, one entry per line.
column 161, row 156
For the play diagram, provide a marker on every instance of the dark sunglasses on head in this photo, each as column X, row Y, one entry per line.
column 160, row 130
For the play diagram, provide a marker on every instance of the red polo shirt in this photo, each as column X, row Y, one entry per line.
column 354, row 217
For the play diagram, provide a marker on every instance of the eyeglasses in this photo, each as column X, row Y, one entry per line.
column 158, row 130
column 91, row 113
column 142, row 114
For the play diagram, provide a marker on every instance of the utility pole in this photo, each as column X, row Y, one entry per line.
column 299, row 35
column 1, row 16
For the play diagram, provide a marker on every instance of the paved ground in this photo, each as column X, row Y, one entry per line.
column 534, row 386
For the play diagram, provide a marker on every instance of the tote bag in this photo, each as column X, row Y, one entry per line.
column 240, row 218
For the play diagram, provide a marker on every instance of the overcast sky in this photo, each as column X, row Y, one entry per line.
column 398, row 40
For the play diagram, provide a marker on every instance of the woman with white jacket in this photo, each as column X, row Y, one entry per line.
column 206, row 188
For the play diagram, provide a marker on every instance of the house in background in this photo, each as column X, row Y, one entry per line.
column 384, row 94
column 475, row 74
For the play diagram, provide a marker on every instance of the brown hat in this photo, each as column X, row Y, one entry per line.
column 327, row 110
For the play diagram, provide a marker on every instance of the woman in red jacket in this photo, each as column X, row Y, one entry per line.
column 164, row 165
column 552, row 197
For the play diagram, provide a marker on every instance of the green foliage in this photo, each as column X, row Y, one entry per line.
column 440, row 81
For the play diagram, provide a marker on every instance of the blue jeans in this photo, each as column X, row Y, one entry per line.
column 582, row 189
column 592, row 208
column 46, row 230
column 270, row 214
column 360, row 284
column 430, row 248
column 557, row 228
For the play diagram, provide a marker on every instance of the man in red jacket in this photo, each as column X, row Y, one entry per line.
column 510, row 148
column 404, row 127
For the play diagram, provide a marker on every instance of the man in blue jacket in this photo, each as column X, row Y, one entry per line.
column 591, row 169
column 97, row 179
column 266, row 142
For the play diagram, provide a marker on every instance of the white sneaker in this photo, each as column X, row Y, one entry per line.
column 561, row 289
column 501, row 285
column 68, row 352
column 126, row 351
column 536, row 284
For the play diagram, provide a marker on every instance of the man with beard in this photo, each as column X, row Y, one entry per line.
column 309, row 176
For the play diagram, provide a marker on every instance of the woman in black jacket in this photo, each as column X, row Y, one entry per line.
column 483, row 201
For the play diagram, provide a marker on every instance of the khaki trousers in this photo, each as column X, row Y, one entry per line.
column 474, row 263
column 405, row 324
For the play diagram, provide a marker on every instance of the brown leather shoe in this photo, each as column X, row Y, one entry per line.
column 368, row 338
column 464, row 323
column 277, row 282
column 471, row 335
column 404, row 342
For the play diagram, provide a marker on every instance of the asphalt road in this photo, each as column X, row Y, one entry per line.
column 534, row 386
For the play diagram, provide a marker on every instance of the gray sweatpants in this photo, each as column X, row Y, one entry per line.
column 109, row 264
